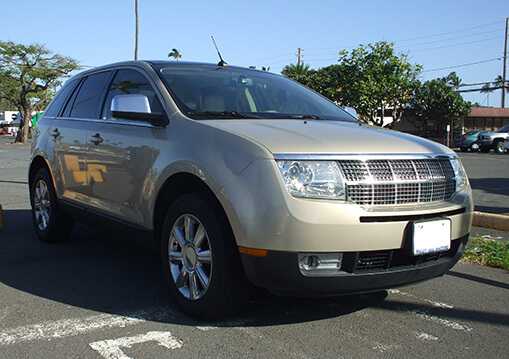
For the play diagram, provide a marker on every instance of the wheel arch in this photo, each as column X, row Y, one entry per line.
column 37, row 163
column 176, row 186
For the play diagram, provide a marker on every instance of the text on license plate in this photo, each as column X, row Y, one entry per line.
column 431, row 236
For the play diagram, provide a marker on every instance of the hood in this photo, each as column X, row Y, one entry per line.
column 327, row 137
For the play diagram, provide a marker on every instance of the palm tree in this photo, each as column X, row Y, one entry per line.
column 499, row 83
column 175, row 54
column 487, row 89
column 295, row 70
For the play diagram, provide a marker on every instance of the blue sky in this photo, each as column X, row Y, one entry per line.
column 436, row 34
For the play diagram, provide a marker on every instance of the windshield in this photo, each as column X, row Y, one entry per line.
column 504, row 129
column 203, row 92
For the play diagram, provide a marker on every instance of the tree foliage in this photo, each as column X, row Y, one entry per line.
column 378, row 83
column 436, row 103
column 301, row 69
column 29, row 75
column 175, row 54
column 372, row 79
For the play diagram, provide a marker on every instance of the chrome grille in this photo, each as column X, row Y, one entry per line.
column 389, row 182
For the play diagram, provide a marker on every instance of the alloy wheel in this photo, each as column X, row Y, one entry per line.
column 42, row 203
column 190, row 257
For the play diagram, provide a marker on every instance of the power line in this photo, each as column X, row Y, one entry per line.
column 451, row 32
column 463, row 65
column 452, row 38
column 454, row 45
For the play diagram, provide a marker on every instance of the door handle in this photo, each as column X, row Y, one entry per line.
column 55, row 133
column 95, row 139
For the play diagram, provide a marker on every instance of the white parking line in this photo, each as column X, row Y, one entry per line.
column 432, row 302
column 447, row 323
column 110, row 349
column 73, row 327
column 425, row 337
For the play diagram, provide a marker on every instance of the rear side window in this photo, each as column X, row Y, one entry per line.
column 61, row 97
column 130, row 82
column 86, row 102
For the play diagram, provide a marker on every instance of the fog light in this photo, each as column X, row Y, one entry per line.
column 320, row 264
column 310, row 262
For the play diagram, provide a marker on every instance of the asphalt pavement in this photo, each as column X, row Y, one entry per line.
column 100, row 296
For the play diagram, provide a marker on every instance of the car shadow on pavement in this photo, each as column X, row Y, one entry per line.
column 478, row 279
column 109, row 273
column 499, row 186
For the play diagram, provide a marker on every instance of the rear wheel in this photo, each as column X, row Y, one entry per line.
column 51, row 224
column 200, row 260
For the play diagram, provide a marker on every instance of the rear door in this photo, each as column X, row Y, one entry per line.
column 69, row 133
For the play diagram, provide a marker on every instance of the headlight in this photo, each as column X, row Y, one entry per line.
column 313, row 179
column 459, row 174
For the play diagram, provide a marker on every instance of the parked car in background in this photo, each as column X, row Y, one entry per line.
column 506, row 143
column 493, row 140
column 468, row 141
column 242, row 178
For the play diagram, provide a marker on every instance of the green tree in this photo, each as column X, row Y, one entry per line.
column 28, row 76
column 372, row 79
column 175, row 54
column 435, row 104
column 291, row 71
column 487, row 89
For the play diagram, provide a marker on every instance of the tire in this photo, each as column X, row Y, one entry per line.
column 51, row 225
column 474, row 147
column 464, row 149
column 499, row 147
column 200, row 260
column 485, row 149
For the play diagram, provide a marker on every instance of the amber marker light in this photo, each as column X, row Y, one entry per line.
column 254, row 251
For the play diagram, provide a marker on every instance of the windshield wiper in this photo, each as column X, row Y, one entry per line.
column 305, row 117
column 222, row 114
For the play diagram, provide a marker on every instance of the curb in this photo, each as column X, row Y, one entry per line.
column 490, row 220
column 1, row 217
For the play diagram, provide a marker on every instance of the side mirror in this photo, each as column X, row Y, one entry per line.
column 133, row 107
column 350, row 111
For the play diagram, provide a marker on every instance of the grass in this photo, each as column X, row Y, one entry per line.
column 486, row 252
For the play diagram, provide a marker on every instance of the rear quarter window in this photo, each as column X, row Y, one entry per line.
column 61, row 97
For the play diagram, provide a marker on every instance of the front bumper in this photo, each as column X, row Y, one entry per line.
column 279, row 271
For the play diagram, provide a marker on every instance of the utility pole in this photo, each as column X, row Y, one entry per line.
column 298, row 57
column 136, row 40
column 504, row 86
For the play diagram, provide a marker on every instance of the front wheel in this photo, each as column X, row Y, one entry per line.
column 499, row 147
column 51, row 224
column 474, row 147
column 200, row 260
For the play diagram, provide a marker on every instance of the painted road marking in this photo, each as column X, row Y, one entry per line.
column 447, row 323
column 110, row 349
column 432, row 302
column 72, row 327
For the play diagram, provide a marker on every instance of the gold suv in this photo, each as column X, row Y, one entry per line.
column 245, row 178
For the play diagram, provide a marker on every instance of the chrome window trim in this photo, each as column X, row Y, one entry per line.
column 112, row 122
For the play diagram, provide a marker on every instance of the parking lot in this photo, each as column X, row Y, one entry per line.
column 101, row 296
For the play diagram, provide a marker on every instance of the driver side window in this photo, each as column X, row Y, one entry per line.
column 130, row 82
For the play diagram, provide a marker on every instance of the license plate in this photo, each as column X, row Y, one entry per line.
column 431, row 236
